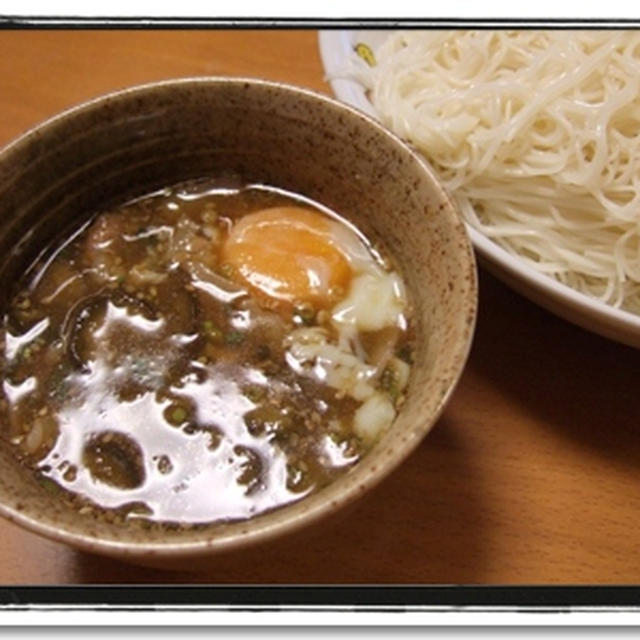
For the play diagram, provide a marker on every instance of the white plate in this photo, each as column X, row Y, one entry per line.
column 336, row 47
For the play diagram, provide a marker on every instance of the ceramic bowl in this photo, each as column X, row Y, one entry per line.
column 141, row 139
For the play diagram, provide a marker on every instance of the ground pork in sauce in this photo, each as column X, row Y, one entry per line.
column 141, row 378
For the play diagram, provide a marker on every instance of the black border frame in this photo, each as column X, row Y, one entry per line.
column 26, row 22
column 314, row 598
column 383, row 598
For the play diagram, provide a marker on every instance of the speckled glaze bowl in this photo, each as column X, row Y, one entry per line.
column 140, row 139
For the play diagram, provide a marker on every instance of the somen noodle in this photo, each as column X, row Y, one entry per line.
column 537, row 136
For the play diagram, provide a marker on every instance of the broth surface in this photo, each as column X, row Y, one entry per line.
column 207, row 352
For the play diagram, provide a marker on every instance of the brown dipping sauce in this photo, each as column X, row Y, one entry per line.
column 145, row 377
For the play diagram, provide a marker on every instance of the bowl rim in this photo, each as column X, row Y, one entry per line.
column 347, row 488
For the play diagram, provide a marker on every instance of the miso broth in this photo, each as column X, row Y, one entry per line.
column 203, row 353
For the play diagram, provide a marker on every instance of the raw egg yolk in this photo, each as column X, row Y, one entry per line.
column 289, row 255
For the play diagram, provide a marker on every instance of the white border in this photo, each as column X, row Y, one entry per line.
column 321, row 9
column 51, row 617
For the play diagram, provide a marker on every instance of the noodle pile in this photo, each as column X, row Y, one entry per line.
column 537, row 136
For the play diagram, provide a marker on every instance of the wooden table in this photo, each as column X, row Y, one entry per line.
column 532, row 475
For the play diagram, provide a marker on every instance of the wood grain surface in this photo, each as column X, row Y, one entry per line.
column 532, row 474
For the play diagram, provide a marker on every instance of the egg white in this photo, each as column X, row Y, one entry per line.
column 375, row 299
